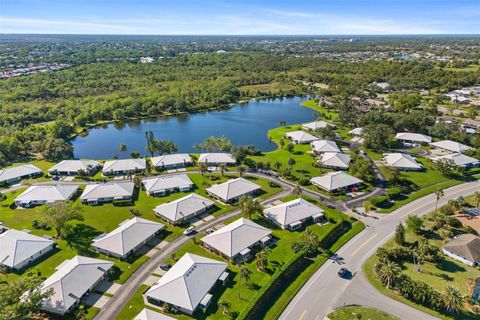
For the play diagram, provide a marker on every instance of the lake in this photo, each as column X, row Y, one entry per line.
column 244, row 124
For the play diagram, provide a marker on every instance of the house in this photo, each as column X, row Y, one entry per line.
column 187, row 284
column 73, row 167
column 300, row 137
column 413, row 138
column 316, row 125
column 293, row 214
column 452, row 146
column 382, row 85
column 216, row 159
column 13, row 175
column 106, row 192
column 402, row 161
column 336, row 182
column 172, row 161
column 335, row 160
column 147, row 314
column 72, row 280
column 321, row 146
column 357, row 132
column 18, row 249
column 236, row 240
column 232, row 190
column 124, row 166
column 162, row 185
column 38, row 195
column 130, row 236
column 183, row 209
column 464, row 248
column 459, row 160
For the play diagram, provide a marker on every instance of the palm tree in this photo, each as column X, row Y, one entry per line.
column 291, row 162
column 438, row 195
column 241, row 169
column 122, row 148
column 277, row 165
column 453, row 299
column 245, row 274
column 477, row 198
column 387, row 272
column 225, row 306
column 262, row 259
column 297, row 190
column 222, row 168
column 248, row 206
column 203, row 167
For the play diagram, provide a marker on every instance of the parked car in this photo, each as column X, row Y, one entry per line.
column 210, row 230
column 344, row 273
column 165, row 267
column 189, row 231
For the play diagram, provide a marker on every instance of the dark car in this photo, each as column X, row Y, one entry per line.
column 165, row 267
column 344, row 273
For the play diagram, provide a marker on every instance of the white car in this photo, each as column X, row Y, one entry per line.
column 189, row 231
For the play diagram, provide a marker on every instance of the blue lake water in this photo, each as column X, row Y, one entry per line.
column 244, row 124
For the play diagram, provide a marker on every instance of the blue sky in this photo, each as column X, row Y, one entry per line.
column 240, row 17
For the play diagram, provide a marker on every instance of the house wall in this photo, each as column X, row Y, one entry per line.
column 31, row 259
column 461, row 259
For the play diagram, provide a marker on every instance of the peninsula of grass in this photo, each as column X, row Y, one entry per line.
column 358, row 312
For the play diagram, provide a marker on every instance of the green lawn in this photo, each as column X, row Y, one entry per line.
column 330, row 114
column 355, row 312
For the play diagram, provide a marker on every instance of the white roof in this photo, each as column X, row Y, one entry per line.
column 47, row 193
column 458, row 159
column 315, row 125
column 167, row 182
column 356, row 131
column 171, row 159
column 182, row 207
column 188, row 281
column 127, row 236
column 292, row 211
column 300, row 136
column 451, row 146
column 324, row 146
column 336, row 160
column 107, row 190
column 236, row 236
column 18, row 246
column 18, row 171
column 233, row 188
column 401, row 160
column 147, row 314
column 74, row 165
column 216, row 158
column 416, row 137
column 72, row 280
column 124, row 165
column 335, row 180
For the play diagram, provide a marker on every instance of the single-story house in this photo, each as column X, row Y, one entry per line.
column 449, row 145
column 335, row 160
column 321, row 146
column 162, row 185
column 13, row 175
column 402, row 161
column 412, row 138
column 124, row 166
column 459, row 160
column 336, row 181
column 232, row 190
column 38, row 195
column 73, row 167
column 187, row 284
column 72, row 280
column 316, row 125
column 235, row 240
column 147, row 314
column 127, row 238
column 106, row 192
column 184, row 208
column 18, row 249
column 172, row 161
column 216, row 159
column 293, row 214
column 464, row 248
column 357, row 132
column 300, row 137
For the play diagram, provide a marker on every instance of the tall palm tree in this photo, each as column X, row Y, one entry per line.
column 225, row 306
column 203, row 167
column 262, row 259
column 245, row 274
column 241, row 169
column 387, row 272
column 291, row 162
column 297, row 190
column 477, row 198
column 277, row 165
column 248, row 206
column 122, row 147
column 453, row 299
column 222, row 168
column 438, row 195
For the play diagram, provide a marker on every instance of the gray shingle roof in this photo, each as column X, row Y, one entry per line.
column 466, row 246
column 47, row 193
column 171, row 159
column 232, row 189
column 183, row 207
column 74, row 165
column 18, row 171
column 335, row 180
column 451, row 146
column 167, row 182
column 124, row 165
column 401, row 160
column 106, row 190
column 216, row 158
column 292, row 211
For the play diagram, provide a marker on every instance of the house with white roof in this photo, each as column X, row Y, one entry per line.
column 180, row 210
column 293, row 214
column 413, row 138
column 73, row 167
column 72, row 280
column 402, row 161
column 335, row 160
column 316, row 125
column 452, row 146
column 216, row 159
column 13, row 175
column 172, row 161
column 336, row 182
column 162, row 185
column 187, row 285
column 459, row 160
column 147, row 314
column 464, row 248
column 38, row 195
column 356, row 132
column 300, row 137
column 321, row 146
column 124, row 166
column 128, row 238
column 18, row 249
column 236, row 240
column 105, row 192
column 232, row 190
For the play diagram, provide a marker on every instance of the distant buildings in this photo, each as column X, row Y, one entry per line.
column 38, row 195
column 413, row 138
column 300, row 137
column 13, row 175
column 402, row 161
column 452, row 146
column 459, row 160
column 316, row 125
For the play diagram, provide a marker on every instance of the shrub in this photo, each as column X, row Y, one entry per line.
column 273, row 184
column 304, row 182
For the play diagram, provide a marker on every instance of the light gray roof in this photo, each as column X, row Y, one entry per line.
column 74, row 165
column 300, row 136
column 466, row 246
column 292, row 211
column 233, row 188
column 216, row 158
column 107, row 190
column 182, row 207
column 335, row 180
column 147, row 314
column 124, row 165
column 236, row 236
column 356, row 131
column 17, row 246
column 18, row 171
column 336, row 160
column 451, row 146
column 47, row 193
column 167, row 182
column 315, row 125
column 324, row 146
column 171, row 159
column 457, row 159
column 188, row 281
column 401, row 160
column 127, row 236
column 72, row 280
column 415, row 137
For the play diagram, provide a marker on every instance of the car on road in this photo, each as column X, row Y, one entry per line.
column 344, row 273
column 189, row 231
column 210, row 230
column 165, row 267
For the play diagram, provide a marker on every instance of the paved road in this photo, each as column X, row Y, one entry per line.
column 322, row 292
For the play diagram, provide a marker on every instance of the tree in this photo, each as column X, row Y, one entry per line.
column 291, row 162
column 327, row 133
column 477, row 198
column 262, row 259
column 309, row 243
column 387, row 272
column 362, row 168
column 135, row 154
column 222, row 168
column 151, row 142
column 241, row 169
column 400, row 234
column 297, row 190
column 453, row 299
column 203, row 167
column 290, row 147
column 277, row 165
column 225, row 306
column 122, row 148
column 245, row 274
column 211, row 144
column 60, row 213
column 248, row 206
column 415, row 223
column 438, row 195
column 377, row 136
column 56, row 149
column 392, row 175
column 165, row 147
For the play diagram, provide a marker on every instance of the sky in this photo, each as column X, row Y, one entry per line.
column 247, row 17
